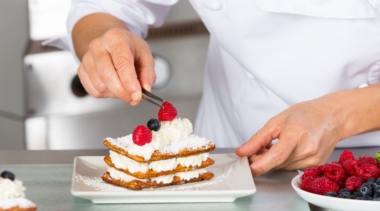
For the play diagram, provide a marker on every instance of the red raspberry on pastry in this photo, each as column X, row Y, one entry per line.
column 367, row 171
column 363, row 160
column 353, row 183
column 334, row 172
column 167, row 113
column 141, row 135
column 346, row 155
column 323, row 185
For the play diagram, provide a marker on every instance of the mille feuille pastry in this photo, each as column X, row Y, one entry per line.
column 161, row 154
column 12, row 197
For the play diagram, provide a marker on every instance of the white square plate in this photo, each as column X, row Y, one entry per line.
column 232, row 179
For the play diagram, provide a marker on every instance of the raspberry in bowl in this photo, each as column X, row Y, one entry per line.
column 347, row 184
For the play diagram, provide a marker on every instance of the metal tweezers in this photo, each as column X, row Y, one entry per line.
column 152, row 98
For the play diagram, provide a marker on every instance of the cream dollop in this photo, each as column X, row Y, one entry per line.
column 11, row 189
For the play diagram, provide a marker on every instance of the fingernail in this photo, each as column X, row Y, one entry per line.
column 135, row 96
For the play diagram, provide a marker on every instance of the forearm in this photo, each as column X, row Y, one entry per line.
column 90, row 27
column 359, row 110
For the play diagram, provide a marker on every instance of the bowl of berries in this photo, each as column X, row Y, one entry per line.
column 344, row 185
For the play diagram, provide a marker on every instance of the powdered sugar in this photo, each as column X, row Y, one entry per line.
column 97, row 183
column 191, row 142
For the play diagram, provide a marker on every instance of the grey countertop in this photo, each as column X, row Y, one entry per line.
column 47, row 177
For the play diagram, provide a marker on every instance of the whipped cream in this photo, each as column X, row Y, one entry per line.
column 23, row 203
column 12, row 194
column 169, row 139
column 123, row 162
column 11, row 189
column 164, row 179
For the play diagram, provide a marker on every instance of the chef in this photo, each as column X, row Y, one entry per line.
column 285, row 82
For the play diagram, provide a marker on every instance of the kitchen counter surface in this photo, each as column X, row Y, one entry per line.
column 47, row 177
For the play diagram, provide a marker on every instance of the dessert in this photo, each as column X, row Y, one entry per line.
column 12, row 197
column 165, row 152
column 348, row 178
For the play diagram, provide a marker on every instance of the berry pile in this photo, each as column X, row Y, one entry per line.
column 143, row 134
column 349, row 178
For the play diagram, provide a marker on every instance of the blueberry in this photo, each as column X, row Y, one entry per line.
column 8, row 175
column 366, row 197
column 353, row 197
column 344, row 194
column 378, row 181
column 154, row 124
column 344, row 190
column 370, row 180
column 376, row 197
column 366, row 190
column 376, row 190
column 333, row 194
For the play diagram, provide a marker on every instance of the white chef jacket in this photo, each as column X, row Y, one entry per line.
column 266, row 55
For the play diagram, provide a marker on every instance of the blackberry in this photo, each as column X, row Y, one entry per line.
column 154, row 124
column 8, row 175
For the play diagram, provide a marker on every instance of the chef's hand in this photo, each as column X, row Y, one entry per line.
column 115, row 62
column 307, row 134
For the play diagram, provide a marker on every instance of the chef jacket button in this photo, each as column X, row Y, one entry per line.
column 214, row 5
column 249, row 75
column 363, row 85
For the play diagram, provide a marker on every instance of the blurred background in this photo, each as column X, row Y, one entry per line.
column 44, row 106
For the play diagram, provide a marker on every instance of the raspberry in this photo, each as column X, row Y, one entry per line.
column 346, row 155
column 367, row 171
column 167, row 113
column 353, row 183
column 306, row 184
column 334, row 172
column 321, row 169
column 323, row 185
column 310, row 173
column 363, row 160
column 141, row 135
column 351, row 167
column 337, row 163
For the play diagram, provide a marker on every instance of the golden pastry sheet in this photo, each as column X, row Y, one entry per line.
column 151, row 173
column 138, row 185
column 157, row 155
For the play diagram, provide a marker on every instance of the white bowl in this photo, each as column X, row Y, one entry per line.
column 334, row 203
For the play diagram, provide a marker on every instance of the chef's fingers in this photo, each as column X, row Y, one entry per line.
column 122, row 48
column 260, row 140
column 275, row 156
column 88, row 63
column 107, row 72
column 86, row 82
column 305, row 161
column 144, row 65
